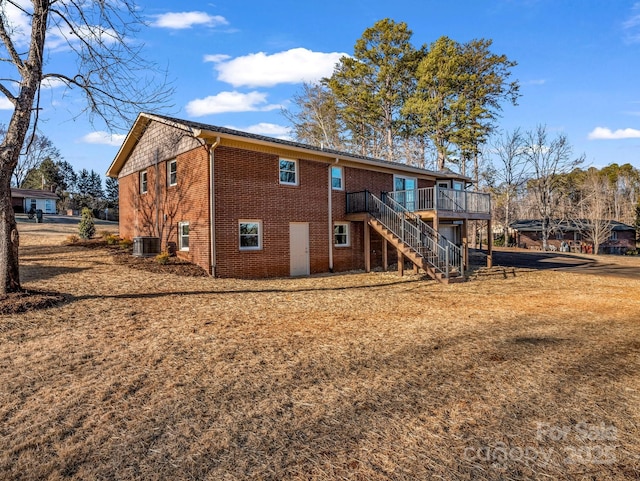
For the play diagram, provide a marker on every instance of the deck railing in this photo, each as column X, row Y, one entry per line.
column 440, row 253
column 440, row 198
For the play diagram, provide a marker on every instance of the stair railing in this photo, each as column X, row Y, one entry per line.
column 448, row 256
column 438, row 252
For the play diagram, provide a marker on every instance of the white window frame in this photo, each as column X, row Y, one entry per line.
column 175, row 172
column 339, row 169
column 346, row 234
column 444, row 184
column 182, row 236
column 144, row 186
column 457, row 185
column 259, row 234
column 295, row 171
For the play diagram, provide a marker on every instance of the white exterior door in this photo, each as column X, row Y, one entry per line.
column 299, row 248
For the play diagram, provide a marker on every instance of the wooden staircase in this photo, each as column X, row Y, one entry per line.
column 425, row 260
column 429, row 250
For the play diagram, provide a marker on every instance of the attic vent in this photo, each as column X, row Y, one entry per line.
column 146, row 246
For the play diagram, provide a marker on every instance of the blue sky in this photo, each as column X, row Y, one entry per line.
column 236, row 64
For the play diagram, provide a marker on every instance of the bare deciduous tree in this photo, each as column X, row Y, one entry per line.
column 110, row 71
column 595, row 210
column 548, row 158
column 509, row 172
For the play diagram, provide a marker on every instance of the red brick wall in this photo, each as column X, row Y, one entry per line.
column 247, row 188
column 625, row 241
column 185, row 202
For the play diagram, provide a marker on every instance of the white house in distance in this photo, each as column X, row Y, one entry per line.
column 23, row 200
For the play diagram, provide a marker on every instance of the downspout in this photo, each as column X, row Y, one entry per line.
column 212, row 205
column 157, row 202
column 330, row 217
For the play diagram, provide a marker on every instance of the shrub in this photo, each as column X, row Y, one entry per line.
column 162, row 258
column 112, row 239
column 632, row 252
column 126, row 244
column 72, row 239
column 104, row 234
column 87, row 227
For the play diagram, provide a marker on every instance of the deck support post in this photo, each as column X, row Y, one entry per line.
column 385, row 255
column 465, row 244
column 489, row 244
column 367, row 247
column 400, row 263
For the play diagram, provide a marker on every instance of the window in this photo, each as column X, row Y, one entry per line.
column 143, row 182
column 341, row 234
column 250, row 235
column 336, row 178
column 172, row 172
column 613, row 236
column 288, row 172
column 405, row 191
column 457, row 185
column 183, row 236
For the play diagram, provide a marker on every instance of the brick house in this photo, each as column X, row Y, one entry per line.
column 570, row 236
column 249, row 206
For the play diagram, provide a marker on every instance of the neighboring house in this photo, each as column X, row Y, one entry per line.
column 570, row 234
column 24, row 200
column 249, row 206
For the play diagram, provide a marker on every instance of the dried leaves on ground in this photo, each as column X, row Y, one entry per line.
column 149, row 375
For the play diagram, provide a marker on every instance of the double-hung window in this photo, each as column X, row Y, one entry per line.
column 172, row 172
column 288, row 170
column 341, row 234
column 337, row 178
column 250, row 235
column 143, row 182
column 183, row 236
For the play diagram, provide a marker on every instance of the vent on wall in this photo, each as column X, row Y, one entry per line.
column 146, row 246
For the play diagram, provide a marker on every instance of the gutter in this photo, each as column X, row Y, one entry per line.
column 212, row 205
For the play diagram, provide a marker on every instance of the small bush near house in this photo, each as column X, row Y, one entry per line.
column 112, row 239
column 162, row 258
column 632, row 252
column 87, row 227
column 125, row 244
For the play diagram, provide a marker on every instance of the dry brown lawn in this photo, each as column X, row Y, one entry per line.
column 361, row 376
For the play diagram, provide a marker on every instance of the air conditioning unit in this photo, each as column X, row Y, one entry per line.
column 145, row 246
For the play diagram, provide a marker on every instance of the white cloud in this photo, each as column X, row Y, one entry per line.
column 631, row 26
column 19, row 25
column 230, row 102
column 265, row 128
column 216, row 58
column 262, row 70
column 184, row 20
column 603, row 133
column 52, row 83
column 540, row 81
column 104, row 138
column 5, row 104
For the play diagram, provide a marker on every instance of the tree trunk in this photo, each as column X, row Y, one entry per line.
column 31, row 73
column 9, row 240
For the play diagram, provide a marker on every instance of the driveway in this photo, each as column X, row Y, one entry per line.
column 604, row 265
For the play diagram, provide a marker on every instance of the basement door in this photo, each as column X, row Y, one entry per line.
column 299, row 248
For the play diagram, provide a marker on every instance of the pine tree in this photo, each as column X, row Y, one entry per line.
column 86, row 228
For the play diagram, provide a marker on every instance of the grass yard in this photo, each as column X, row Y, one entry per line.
column 147, row 376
